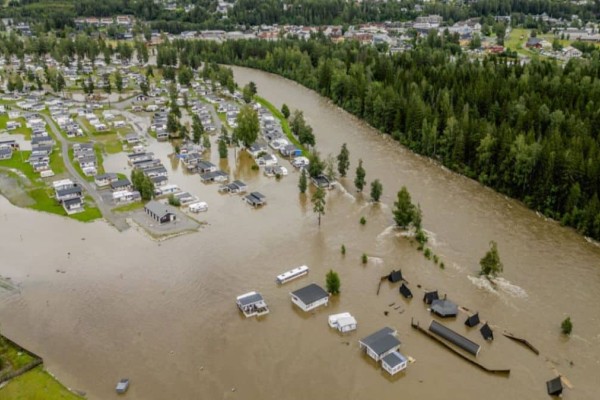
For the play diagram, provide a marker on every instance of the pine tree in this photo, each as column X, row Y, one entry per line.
column 222, row 148
column 285, row 111
column 376, row 190
column 359, row 181
column 332, row 282
column 404, row 209
column 303, row 182
column 343, row 160
column 318, row 200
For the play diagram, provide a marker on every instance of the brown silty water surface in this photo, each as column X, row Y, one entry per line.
column 163, row 313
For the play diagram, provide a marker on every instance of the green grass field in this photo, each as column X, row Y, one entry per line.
column 36, row 384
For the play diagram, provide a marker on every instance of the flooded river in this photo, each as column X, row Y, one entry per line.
column 163, row 313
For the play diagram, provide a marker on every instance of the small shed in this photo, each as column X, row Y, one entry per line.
column 395, row 276
column 487, row 332
column 473, row 320
column 405, row 291
column 444, row 308
column 554, row 386
column 430, row 297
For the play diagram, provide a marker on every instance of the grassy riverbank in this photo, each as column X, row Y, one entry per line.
column 36, row 384
column 285, row 126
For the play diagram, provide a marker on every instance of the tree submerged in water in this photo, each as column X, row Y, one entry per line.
column 490, row 263
column 566, row 326
column 332, row 281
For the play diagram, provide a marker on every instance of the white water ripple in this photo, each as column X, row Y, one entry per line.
column 498, row 285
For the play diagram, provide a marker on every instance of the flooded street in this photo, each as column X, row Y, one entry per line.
column 163, row 313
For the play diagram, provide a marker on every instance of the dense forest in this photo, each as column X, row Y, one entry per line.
column 530, row 131
column 57, row 14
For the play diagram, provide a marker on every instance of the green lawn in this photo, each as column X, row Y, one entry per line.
column 129, row 207
column 23, row 130
column 284, row 123
column 19, row 162
column 36, row 384
column 13, row 356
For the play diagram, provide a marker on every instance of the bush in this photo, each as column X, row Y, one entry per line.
column 365, row 258
column 427, row 253
column 566, row 326
column 174, row 201
column 255, row 167
column 442, row 265
column 343, row 250
column 436, row 259
column 363, row 220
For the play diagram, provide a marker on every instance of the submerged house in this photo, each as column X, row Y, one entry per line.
column 161, row 213
column 430, row 297
column 473, row 320
column 343, row 322
column 252, row 304
column 310, row 297
column 383, row 346
column 554, row 386
column 395, row 276
column 405, row 291
column 487, row 332
column 454, row 338
column 256, row 199
column 444, row 308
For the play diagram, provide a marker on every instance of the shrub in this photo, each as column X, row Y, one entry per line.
column 566, row 326
column 365, row 258
column 343, row 250
column 363, row 220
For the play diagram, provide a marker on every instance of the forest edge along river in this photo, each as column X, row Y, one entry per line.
column 164, row 314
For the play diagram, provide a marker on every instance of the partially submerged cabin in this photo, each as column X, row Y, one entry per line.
column 252, row 304
column 487, row 332
column 292, row 274
column 395, row 276
column 429, row 297
column 343, row 322
column 473, row 320
column 454, row 337
column 383, row 346
column 256, row 199
column 310, row 297
column 405, row 291
column 444, row 308
column 554, row 386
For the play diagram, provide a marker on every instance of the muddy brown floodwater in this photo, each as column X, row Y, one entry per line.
column 163, row 313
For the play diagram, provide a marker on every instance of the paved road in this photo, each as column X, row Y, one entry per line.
column 117, row 221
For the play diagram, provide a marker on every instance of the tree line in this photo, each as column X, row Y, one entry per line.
column 60, row 14
column 530, row 131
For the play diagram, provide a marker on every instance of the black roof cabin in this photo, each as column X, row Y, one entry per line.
column 395, row 276
column 554, row 386
column 405, row 291
column 430, row 297
column 487, row 332
column 473, row 320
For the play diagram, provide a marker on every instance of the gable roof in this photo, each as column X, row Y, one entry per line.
column 487, row 332
column 444, row 308
column 554, row 386
column 473, row 320
column 381, row 341
column 159, row 209
column 250, row 299
column 311, row 293
column 430, row 297
column 395, row 276
column 405, row 291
